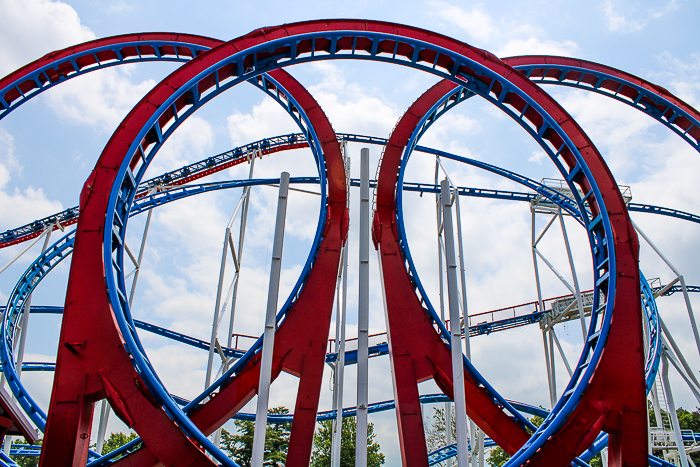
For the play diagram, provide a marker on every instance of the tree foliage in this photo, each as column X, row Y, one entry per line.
column 117, row 440
column 321, row 456
column 435, row 431
column 239, row 446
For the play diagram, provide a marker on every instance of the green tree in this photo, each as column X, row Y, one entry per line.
column 117, row 440
column 498, row 456
column 321, row 456
column 435, row 431
column 239, row 446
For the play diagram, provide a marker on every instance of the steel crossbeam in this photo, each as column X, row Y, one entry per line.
column 111, row 363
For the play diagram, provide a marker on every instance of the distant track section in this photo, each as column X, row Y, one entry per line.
column 266, row 146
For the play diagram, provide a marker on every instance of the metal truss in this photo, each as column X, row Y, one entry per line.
column 101, row 360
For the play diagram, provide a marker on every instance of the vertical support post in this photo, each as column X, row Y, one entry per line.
column 215, row 322
column 455, row 331
column 102, row 428
column 672, row 410
column 363, row 316
column 441, row 285
column 552, row 366
column 540, row 303
column 552, row 398
column 481, row 449
column 573, row 275
column 337, row 440
column 270, row 327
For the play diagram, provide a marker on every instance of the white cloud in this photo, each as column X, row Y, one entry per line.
column 101, row 99
column 349, row 106
column 617, row 22
column 190, row 142
column 476, row 23
column 535, row 46
column 18, row 207
column 32, row 28
column 267, row 118
column 505, row 37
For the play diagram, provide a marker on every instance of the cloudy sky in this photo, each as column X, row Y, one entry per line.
column 48, row 147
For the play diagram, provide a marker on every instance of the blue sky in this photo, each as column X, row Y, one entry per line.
column 48, row 147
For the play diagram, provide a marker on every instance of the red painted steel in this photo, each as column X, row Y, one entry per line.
column 314, row 305
column 300, row 341
column 613, row 87
column 87, row 57
column 92, row 362
column 416, row 349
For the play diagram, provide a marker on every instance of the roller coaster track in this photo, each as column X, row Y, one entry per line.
column 468, row 71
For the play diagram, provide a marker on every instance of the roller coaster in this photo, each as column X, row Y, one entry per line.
column 627, row 349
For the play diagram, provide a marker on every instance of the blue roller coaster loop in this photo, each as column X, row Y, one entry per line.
column 595, row 342
column 59, row 251
column 120, row 201
column 157, row 199
column 654, row 345
column 414, row 64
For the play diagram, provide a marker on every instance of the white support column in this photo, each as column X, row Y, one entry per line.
column 552, row 397
column 270, row 327
column 455, row 331
column 672, row 410
column 215, row 321
column 102, row 427
column 363, row 316
column 340, row 368
column 463, row 279
column 341, row 313
column 441, row 290
column 534, row 241
column 481, row 449
column 552, row 365
column 577, row 289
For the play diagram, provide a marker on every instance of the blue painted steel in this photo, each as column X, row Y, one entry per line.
column 119, row 205
column 598, row 229
column 6, row 461
column 25, row 450
column 274, row 143
column 638, row 104
column 140, row 46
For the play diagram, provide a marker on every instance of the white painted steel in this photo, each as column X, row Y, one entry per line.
column 363, row 316
column 455, row 331
column 672, row 410
column 577, row 292
column 339, row 380
column 270, row 326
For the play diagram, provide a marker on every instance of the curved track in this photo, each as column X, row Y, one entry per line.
column 110, row 363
